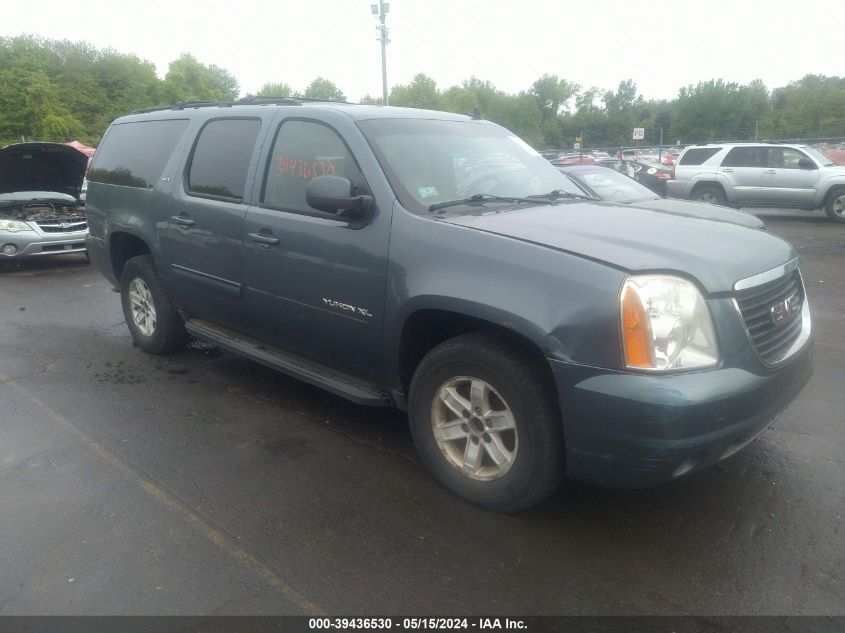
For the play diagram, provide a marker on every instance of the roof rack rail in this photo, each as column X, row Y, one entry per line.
column 262, row 99
column 181, row 105
column 253, row 100
column 316, row 100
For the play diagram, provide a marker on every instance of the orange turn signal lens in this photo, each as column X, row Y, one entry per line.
column 636, row 331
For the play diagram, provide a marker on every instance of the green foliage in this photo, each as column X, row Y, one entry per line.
column 371, row 100
column 190, row 80
column 323, row 89
column 62, row 90
column 552, row 93
column 420, row 93
column 276, row 90
column 812, row 106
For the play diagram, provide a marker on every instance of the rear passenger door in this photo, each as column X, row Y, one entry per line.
column 741, row 171
column 203, row 238
column 315, row 282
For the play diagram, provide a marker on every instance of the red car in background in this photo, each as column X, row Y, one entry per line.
column 586, row 159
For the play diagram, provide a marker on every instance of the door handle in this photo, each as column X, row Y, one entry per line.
column 264, row 238
column 181, row 220
column 727, row 170
column 770, row 171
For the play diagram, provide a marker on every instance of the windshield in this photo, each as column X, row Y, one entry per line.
column 611, row 186
column 429, row 162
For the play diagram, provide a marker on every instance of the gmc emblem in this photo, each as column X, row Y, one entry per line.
column 782, row 310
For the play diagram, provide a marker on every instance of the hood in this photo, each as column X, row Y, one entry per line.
column 716, row 253
column 701, row 210
column 42, row 167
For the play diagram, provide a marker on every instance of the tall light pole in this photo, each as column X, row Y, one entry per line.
column 381, row 10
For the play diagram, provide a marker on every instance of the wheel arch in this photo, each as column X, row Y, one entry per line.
column 709, row 183
column 428, row 324
column 832, row 191
column 123, row 246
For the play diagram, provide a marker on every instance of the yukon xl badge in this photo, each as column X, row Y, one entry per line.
column 781, row 311
column 347, row 308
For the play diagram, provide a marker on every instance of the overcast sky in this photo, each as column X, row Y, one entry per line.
column 660, row 44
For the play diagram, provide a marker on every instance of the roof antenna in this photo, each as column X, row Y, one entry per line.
column 476, row 113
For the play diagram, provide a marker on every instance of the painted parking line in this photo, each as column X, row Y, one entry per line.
column 176, row 506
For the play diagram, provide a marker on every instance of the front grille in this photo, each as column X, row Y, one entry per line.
column 62, row 226
column 772, row 325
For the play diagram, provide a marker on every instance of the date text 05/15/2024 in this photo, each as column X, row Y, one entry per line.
column 415, row 624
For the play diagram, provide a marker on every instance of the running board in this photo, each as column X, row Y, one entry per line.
column 295, row 366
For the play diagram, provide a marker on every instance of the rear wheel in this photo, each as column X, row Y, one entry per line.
column 835, row 206
column 710, row 194
column 485, row 422
column 153, row 321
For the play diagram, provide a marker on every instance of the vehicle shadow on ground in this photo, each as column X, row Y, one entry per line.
column 735, row 483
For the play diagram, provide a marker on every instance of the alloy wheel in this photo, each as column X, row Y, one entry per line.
column 143, row 308
column 475, row 428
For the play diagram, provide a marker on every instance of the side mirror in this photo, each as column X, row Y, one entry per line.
column 806, row 163
column 333, row 194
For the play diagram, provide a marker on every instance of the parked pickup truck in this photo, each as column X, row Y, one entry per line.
column 437, row 263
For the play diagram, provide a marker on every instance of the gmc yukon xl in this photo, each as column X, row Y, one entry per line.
column 437, row 263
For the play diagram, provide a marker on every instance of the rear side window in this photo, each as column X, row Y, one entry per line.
column 746, row 157
column 134, row 154
column 698, row 155
column 221, row 158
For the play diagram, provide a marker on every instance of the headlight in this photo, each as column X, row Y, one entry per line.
column 13, row 226
column 666, row 325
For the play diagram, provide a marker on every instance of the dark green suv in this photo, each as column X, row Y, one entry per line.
column 437, row 263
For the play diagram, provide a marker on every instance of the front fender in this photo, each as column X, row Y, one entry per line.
column 566, row 305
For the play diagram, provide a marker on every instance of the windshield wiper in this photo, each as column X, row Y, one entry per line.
column 482, row 198
column 557, row 194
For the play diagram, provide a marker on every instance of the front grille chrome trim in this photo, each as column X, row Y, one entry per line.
column 766, row 277
column 806, row 323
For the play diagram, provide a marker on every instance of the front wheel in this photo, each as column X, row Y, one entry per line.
column 485, row 422
column 153, row 321
column 835, row 207
column 710, row 195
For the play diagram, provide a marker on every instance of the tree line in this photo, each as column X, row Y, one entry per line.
column 61, row 90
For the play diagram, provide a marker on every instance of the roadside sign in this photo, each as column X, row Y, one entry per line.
column 639, row 133
column 576, row 146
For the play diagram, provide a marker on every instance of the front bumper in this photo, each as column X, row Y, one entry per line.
column 678, row 189
column 625, row 430
column 34, row 243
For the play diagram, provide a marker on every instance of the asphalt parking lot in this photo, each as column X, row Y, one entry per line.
column 202, row 483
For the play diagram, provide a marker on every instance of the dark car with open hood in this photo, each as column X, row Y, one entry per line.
column 437, row 263
column 41, row 211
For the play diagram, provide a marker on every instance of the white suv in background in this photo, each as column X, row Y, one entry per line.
column 760, row 175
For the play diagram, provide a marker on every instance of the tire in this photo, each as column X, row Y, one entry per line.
column 835, row 207
column 153, row 321
column 710, row 194
column 529, row 463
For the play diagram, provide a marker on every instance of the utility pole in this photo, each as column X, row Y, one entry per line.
column 660, row 147
column 381, row 10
